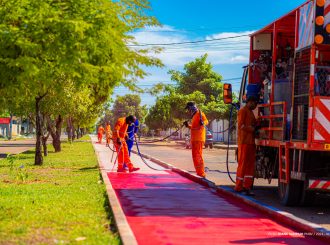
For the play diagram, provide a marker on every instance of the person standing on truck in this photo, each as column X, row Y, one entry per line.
column 246, row 147
column 197, row 132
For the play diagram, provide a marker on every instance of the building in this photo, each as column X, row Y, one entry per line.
column 4, row 127
column 14, row 126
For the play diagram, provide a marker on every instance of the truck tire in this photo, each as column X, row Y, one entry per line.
column 307, row 198
column 290, row 194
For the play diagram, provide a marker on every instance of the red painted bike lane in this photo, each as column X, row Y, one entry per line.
column 166, row 208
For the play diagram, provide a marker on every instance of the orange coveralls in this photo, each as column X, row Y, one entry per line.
column 120, row 131
column 197, row 132
column 100, row 132
column 246, row 149
column 108, row 133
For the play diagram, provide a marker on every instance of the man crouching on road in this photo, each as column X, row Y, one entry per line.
column 246, row 147
column 119, row 135
column 197, row 132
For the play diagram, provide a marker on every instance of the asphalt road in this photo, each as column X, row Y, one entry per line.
column 215, row 160
column 15, row 147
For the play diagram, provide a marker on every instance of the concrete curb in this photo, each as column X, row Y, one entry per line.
column 224, row 147
column 125, row 232
column 308, row 228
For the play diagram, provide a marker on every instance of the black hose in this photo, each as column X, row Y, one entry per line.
column 228, row 141
column 139, row 153
column 142, row 158
column 154, row 141
column 112, row 149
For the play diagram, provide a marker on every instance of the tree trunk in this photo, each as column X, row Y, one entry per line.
column 78, row 132
column 69, row 129
column 44, row 144
column 73, row 131
column 55, row 131
column 38, row 159
column 57, row 136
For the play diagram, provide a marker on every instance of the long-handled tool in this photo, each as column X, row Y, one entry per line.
column 118, row 152
column 113, row 152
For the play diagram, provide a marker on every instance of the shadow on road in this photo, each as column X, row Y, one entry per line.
column 3, row 155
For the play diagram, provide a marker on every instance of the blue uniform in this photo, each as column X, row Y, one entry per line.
column 131, row 130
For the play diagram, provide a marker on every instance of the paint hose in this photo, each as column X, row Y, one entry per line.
column 228, row 143
column 142, row 158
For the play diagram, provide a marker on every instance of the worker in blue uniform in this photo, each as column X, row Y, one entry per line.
column 131, row 131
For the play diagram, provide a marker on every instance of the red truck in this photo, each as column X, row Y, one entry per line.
column 289, row 70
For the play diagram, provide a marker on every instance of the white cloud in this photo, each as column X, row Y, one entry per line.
column 226, row 51
column 239, row 59
column 231, row 34
column 154, row 35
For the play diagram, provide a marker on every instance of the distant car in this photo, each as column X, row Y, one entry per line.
column 187, row 141
column 208, row 140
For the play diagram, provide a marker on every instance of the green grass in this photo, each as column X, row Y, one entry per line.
column 63, row 201
column 85, row 137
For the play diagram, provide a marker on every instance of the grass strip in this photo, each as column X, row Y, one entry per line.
column 62, row 202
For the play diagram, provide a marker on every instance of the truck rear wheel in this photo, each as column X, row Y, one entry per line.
column 290, row 194
column 307, row 197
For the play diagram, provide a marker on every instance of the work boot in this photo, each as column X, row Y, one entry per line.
column 248, row 192
column 202, row 176
column 121, row 170
column 238, row 191
column 134, row 169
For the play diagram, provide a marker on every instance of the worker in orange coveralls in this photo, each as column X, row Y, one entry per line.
column 119, row 135
column 246, row 147
column 197, row 136
column 100, row 132
column 108, row 133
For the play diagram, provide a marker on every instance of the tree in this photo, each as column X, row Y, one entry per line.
column 168, row 112
column 198, row 75
column 129, row 104
column 45, row 43
column 197, row 83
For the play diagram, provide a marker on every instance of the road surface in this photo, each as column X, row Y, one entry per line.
column 215, row 159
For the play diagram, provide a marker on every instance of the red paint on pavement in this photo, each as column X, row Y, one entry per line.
column 170, row 209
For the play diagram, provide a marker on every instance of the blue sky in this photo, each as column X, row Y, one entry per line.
column 193, row 20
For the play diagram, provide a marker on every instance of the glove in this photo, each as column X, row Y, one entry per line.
column 185, row 123
column 118, row 141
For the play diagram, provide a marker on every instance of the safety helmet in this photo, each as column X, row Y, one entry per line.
column 190, row 105
column 130, row 119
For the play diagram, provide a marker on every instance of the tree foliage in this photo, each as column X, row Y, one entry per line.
column 129, row 104
column 198, row 82
column 47, row 46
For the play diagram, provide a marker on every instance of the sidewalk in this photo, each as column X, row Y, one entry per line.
column 162, row 207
